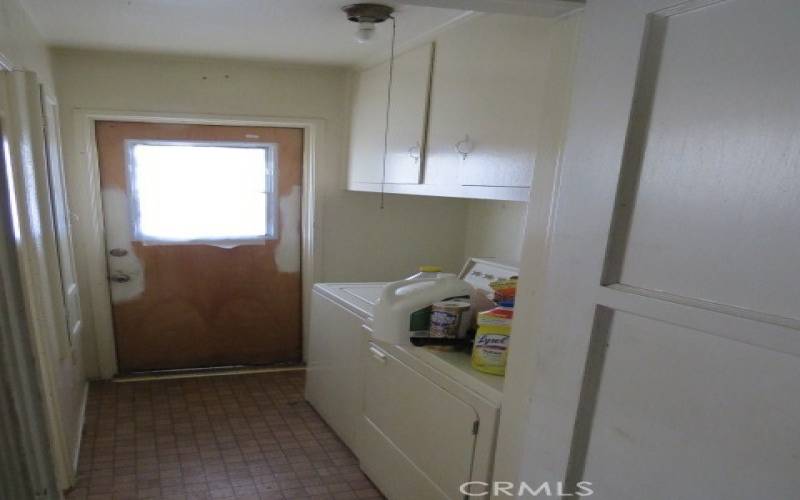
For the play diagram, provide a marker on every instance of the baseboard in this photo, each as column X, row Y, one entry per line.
column 81, row 422
column 210, row 373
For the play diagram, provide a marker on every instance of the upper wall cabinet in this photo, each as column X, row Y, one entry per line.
column 466, row 128
column 407, row 120
column 485, row 102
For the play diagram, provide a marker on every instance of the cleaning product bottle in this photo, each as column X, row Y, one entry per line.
column 404, row 307
column 426, row 272
column 490, row 352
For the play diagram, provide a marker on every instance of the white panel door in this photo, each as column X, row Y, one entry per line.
column 667, row 364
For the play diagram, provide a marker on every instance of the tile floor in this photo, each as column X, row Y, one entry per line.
column 235, row 436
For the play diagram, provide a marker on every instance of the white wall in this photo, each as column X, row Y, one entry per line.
column 369, row 244
column 20, row 43
column 23, row 48
column 495, row 229
column 357, row 240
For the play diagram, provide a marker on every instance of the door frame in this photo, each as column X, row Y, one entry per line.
column 32, row 445
column 92, row 232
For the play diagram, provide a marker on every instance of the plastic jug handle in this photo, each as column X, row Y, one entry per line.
column 390, row 290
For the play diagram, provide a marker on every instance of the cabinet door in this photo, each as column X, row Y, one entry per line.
column 488, row 80
column 334, row 381
column 368, row 124
column 407, row 118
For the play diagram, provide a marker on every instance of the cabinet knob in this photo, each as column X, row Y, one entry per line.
column 414, row 152
column 464, row 147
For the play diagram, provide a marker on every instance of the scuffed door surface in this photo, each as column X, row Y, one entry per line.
column 192, row 305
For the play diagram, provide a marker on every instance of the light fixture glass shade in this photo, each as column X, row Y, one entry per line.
column 365, row 31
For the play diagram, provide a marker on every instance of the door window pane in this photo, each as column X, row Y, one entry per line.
column 189, row 192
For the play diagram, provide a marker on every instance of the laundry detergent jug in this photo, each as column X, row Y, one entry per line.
column 404, row 306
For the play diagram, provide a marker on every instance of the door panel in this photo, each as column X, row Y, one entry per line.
column 716, row 131
column 672, row 401
column 62, row 217
column 195, row 305
column 665, row 365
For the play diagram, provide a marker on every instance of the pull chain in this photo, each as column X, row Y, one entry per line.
column 388, row 107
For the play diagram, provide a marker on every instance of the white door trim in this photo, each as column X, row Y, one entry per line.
column 37, row 252
column 564, row 43
column 33, row 447
column 92, row 232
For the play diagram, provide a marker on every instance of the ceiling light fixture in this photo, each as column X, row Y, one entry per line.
column 367, row 15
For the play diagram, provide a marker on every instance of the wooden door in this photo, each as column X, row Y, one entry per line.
column 190, row 295
column 666, row 354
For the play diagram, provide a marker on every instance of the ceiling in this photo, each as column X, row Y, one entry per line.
column 541, row 8
column 306, row 31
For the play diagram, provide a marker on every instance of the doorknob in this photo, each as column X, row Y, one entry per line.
column 118, row 252
column 464, row 147
column 120, row 277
